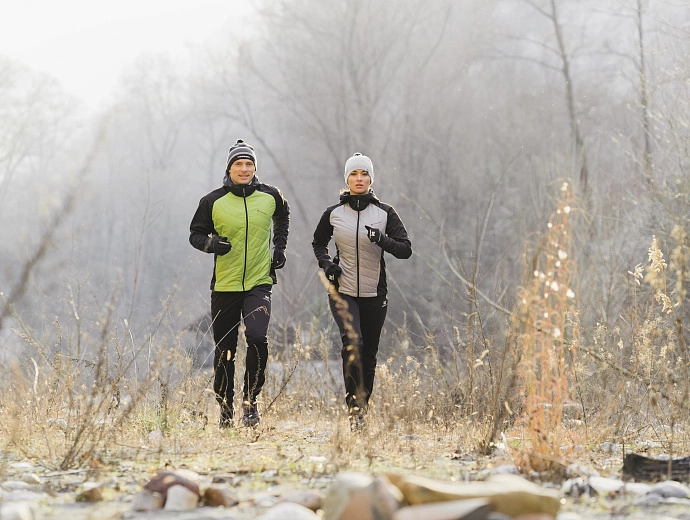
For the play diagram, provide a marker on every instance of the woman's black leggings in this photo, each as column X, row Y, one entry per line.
column 360, row 328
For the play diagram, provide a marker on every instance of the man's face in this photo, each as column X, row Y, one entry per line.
column 242, row 171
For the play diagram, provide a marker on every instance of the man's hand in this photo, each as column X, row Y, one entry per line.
column 374, row 234
column 278, row 259
column 333, row 271
column 219, row 245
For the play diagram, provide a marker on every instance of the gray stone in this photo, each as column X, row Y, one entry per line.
column 147, row 500
column 17, row 511
column 310, row 499
column 289, row 511
column 648, row 500
column 472, row 509
column 603, row 485
column 352, row 498
column 31, row 478
column 575, row 487
column 610, row 448
column 22, row 495
column 220, row 495
column 91, row 492
column 670, row 488
column 568, row 515
column 636, row 488
column 181, row 498
column 14, row 485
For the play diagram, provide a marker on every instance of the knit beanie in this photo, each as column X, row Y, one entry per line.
column 359, row 162
column 240, row 150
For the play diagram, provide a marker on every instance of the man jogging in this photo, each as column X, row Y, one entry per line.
column 235, row 223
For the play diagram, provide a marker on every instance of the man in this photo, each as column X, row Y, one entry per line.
column 234, row 223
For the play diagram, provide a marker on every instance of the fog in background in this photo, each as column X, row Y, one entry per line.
column 473, row 113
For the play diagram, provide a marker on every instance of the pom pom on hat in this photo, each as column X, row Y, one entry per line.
column 240, row 150
column 359, row 162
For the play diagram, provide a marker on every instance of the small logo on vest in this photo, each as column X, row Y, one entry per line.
column 267, row 298
column 385, row 304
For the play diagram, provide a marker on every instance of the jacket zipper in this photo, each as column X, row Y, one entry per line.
column 246, row 235
column 357, row 246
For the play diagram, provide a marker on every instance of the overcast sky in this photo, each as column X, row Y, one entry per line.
column 86, row 44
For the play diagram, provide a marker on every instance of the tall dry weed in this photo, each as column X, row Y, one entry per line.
column 546, row 333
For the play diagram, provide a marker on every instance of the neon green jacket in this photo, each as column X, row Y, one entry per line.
column 247, row 215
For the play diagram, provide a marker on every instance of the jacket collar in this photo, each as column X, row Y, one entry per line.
column 241, row 190
column 358, row 202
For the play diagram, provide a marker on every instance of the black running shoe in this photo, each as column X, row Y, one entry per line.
column 250, row 415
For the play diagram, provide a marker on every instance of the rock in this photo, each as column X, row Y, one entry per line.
column 508, row 494
column 147, row 501
column 648, row 500
column 604, row 486
column 670, row 489
column 31, row 478
column 188, row 474
column 569, row 515
column 361, row 497
column 218, row 495
column 91, row 492
column 161, row 482
column 289, row 511
column 610, row 448
column 180, row 498
column 636, row 488
column 505, row 469
column 17, row 511
column 310, row 499
column 344, row 483
column 21, row 465
column 156, row 437
column 16, row 485
column 575, row 487
column 473, row 509
column 22, row 495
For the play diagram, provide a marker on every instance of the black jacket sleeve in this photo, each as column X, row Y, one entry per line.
column 201, row 228
column 322, row 236
column 395, row 241
column 281, row 221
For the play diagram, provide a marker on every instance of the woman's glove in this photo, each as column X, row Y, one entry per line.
column 374, row 234
column 333, row 271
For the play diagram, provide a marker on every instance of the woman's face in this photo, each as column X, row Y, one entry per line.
column 359, row 181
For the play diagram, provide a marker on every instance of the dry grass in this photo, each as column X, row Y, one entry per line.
column 98, row 396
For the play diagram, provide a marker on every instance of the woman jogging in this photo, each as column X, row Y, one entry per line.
column 363, row 228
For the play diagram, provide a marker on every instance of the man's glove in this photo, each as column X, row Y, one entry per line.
column 373, row 234
column 219, row 245
column 333, row 271
column 278, row 259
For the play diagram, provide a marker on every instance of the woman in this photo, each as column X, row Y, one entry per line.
column 363, row 228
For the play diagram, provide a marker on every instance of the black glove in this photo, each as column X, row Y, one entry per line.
column 373, row 234
column 333, row 271
column 278, row 259
column 219, row 245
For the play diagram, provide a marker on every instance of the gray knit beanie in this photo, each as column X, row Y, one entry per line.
column 240, row 150
column 359, row 162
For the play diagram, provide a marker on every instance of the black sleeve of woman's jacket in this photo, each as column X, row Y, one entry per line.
column 395, row 241
column 281, row 222
column 322, row 236
column 202, row 225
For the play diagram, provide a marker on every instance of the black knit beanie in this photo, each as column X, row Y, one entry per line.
column 240, row 150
